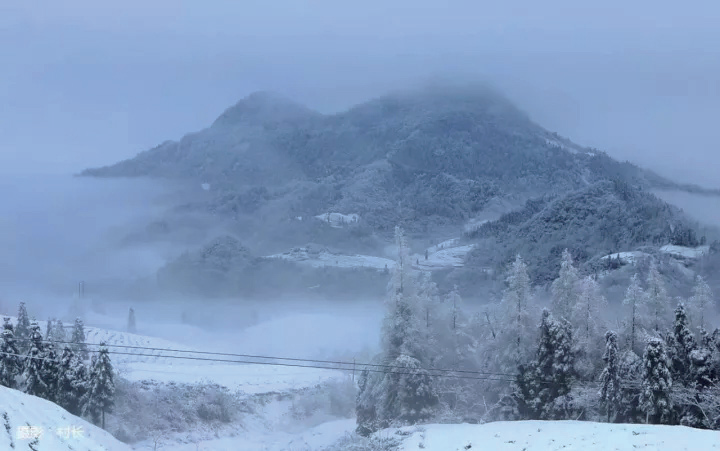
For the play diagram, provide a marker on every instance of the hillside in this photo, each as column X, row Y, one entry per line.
column 423, row 158
column 57, row 430
column 604, row 218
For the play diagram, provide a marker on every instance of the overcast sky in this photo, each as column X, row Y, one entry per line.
column 86, row 83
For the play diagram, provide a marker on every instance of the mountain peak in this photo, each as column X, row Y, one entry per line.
column 262, row 108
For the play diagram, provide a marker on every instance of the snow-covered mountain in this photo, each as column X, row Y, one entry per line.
column 35, row 424
column 435, row 156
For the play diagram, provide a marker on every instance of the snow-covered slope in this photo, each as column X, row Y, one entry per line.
column 32, row 423
column 323, row 258
column 553, row 436
column 685, row 252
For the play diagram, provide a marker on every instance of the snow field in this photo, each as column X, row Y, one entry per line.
column 25, row 417
column 556, row 436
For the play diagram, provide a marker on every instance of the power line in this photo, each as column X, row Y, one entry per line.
column 289, row 359
column 266, row 363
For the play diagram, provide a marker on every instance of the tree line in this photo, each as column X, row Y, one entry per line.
column 656, row 363
column 56, row 368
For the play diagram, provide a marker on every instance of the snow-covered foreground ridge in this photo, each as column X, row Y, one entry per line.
column 32, row 423
column 552, row 436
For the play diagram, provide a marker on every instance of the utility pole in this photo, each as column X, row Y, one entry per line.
column 81, row 289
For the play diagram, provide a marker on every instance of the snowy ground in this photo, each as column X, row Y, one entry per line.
column 448, row 254
column 452, row 256
column 311, row 439
column 626, row 257
column 325, row 258
column 685, row 252
column 556, row 436
column 24, row 417
column 338, row 219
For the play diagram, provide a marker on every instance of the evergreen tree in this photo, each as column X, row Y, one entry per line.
column 701, row 300
column 49, row 372
column 636, row 299
column 549, row 377
column 78, row 339
column 587, row 323
column 565, row 288
column 365, row 410
column 10, row 362
column 681, row 346
column 516, row 311
column 655, row 398
column 630, row 373
column 58, row 333
column 406, row 394
column 100, row 397
column 658, row 300
column 33, row 371
column 70, row 372
column 22, row 330
column 610, row 383
column 49, row 327
column 131, row 321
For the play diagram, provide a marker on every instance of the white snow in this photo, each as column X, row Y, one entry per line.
column 24, row 417
column 338, row 219
column 444, row 258
column 630, row 257
column 685, row 252
column 553, row 143
column 250, row 378
column 326, row 258
column 447, row 254
column 311, row 439
column 554, row 436
column 247, row 378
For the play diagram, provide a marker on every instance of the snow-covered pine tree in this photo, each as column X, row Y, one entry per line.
column 22, row 330
column 516, row 319
column 631, row 371
column 549, row 377
column 49, row 329
column 681, row 346
column 658, row 301
column 67, row 373
column 457, row 348
column 33, row 372
column 404, row 394
column 100, row 397
column 701, row 301
column 365, row 410
column 587, row 323
column 636, row 300
column 58, row 333
column 565, row 288
column 10, row 362
column 610, row 383
column 655, row 398
column 80, row 381
column 49, row 372
column 131, row 327
column 78, row 339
